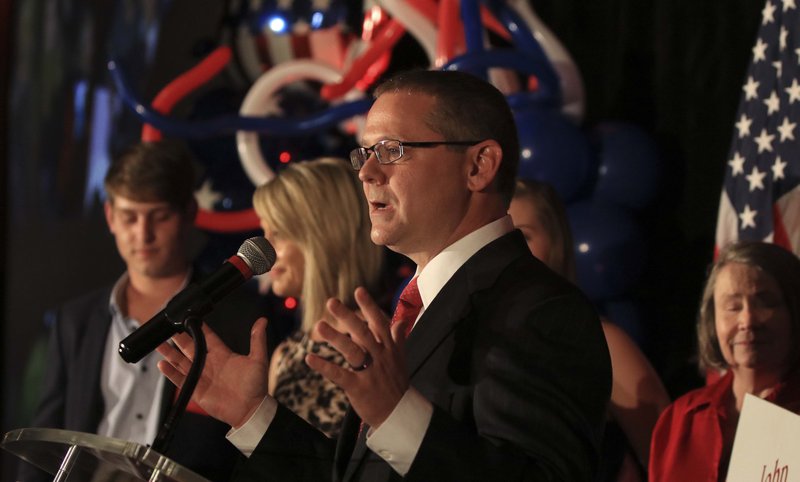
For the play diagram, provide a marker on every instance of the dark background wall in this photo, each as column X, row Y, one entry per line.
column 5, row 62
column 676, row 69
column 673, row 67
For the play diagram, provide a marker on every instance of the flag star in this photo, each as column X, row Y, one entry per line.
column 756, row 179
column 764, row 141
column 777, row 169
column 787, row 4
column 737, row 164
column 787, row 129
column 748, row 217
column 777, row 65
column 768, row 14
column 759, row 50
column 751, row 88
column 206, row 196
column 793, row 91
column 782, row 38
column 773, row 103
column 743, row 126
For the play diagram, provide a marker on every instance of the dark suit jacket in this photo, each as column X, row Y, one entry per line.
column 71, row 395
column 513, row 359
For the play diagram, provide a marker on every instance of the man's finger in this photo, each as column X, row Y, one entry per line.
column 336, row 374
column 352, row 324
column 174, row 357
column 378, row 322
column 185, row 343
column 352, row 352
column 258, row 340
column 368, row 305
column 172, row 374
column 399, row 334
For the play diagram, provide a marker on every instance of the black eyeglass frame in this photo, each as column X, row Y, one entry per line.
column 360, row 155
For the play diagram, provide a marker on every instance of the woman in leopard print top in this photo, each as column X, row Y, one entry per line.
column 315, row 215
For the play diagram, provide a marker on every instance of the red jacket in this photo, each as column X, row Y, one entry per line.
column 687, row 442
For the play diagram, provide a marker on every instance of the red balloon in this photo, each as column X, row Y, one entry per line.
column 185, row 84
column 174, row 92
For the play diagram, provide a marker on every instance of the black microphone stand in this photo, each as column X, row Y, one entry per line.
column 193, row 324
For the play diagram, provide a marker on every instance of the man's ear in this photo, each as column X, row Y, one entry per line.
column 484, row 164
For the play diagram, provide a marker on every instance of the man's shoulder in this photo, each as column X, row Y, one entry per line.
column 528, row 273
column 506, row 265
column 89, row 301
column 74, row 319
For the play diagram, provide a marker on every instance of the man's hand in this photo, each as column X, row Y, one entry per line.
column 375, row 390
column 231, row 386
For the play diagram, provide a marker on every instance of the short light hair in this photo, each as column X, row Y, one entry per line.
column 771, row 259
column 320, row 206
column 552, row 215
column 467, row 108
column 161, row 171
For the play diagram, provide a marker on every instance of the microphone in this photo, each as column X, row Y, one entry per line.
column 255, row 256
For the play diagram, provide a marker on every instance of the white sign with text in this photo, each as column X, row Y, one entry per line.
column 767, row 444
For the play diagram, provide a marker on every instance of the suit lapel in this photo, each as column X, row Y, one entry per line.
column 351, row 452
column 452, row 304
column 93, row 354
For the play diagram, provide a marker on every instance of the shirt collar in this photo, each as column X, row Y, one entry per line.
column 117, row 299
column 717, row 392
column 441, row 268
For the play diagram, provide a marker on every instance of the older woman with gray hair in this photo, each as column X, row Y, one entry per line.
column 749, row 327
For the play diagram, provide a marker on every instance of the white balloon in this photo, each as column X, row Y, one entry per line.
column 572, row 91
column 258, row 100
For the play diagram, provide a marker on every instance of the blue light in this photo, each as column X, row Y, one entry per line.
column 277, row 24
column 99, row 149
column 81, row 89
column 316, row 19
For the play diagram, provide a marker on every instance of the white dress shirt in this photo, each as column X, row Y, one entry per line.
column 132, row 392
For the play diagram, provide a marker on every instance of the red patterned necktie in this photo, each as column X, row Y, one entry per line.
column 408, row 306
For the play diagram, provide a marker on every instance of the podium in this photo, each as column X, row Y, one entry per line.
column 85, row 457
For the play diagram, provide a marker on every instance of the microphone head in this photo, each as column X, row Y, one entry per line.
column 258, row 254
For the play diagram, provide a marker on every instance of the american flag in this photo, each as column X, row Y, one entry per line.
column 761, row 197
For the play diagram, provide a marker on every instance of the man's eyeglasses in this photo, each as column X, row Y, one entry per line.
column 389, row 150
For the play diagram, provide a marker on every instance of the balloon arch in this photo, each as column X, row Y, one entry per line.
column 606, row 173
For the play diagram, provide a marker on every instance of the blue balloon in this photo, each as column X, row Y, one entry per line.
column 228, row 124
column 609, row 249
column 554, row 150
column 629, row 166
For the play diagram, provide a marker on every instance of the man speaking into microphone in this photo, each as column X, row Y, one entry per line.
column 492, row 368
column 88, row 387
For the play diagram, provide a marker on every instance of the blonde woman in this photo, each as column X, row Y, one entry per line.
column 315, row 215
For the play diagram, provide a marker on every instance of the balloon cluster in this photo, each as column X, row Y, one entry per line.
column 604, row 176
